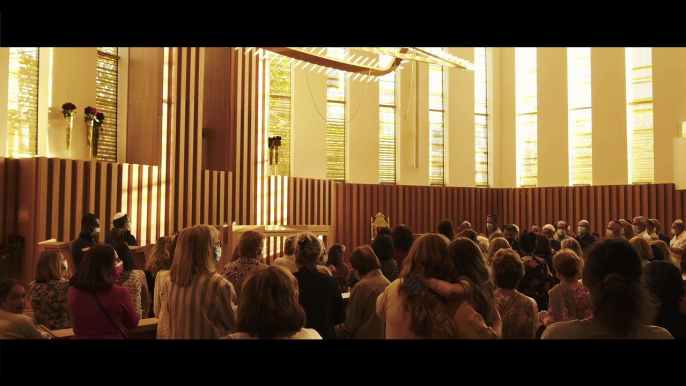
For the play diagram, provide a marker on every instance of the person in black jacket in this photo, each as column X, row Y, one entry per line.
column 320, row 295
column 121, row 230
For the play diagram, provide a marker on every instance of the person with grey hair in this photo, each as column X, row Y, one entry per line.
column 288, row 259
column 549, row 231
column 584, row 237
column 640, row 225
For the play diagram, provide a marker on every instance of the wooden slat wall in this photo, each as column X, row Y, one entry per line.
column 418, row 207
column 45, row 198
column 422, row 207
column 9, row 169
column 296, row 201
column 246, row 125
column 597, row 204
column 188, row 188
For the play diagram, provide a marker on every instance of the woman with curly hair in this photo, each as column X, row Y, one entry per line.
column 519, row 312
column 412, row 310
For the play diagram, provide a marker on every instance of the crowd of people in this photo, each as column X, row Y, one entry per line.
column 543, row 282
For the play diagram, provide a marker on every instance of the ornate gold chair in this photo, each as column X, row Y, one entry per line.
column 379, row 221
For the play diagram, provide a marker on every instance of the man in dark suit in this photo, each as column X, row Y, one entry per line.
column 584, row 237
column 90, row 229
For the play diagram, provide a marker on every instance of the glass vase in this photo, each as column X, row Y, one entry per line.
column 89, row 128
column 70, row 125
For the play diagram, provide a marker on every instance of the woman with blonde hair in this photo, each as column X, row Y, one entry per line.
column 643, row 247
column 49, row 290
column 361, row 321
column 159, row 261
column 496, row 244
column 519, row 312
column 200, row 301
column 249, row 257
column 569, row 300
column 320, row 295
column 269, row 308
column 573, row 244
column 412, row 310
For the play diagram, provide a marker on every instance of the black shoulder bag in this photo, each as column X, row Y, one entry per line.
column 121, row 330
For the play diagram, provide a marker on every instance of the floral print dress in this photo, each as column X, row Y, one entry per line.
column 569, row 300
column 134, row 284
column 533, row 284
column 241, row 267
column 519, row 314
column 49, row 303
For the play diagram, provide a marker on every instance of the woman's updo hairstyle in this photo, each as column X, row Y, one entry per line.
column 308, row 250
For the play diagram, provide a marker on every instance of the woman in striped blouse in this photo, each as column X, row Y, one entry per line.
column 200, row 300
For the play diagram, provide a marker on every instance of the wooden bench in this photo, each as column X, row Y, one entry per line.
column 147, row 329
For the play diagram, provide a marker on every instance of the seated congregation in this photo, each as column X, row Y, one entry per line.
column 544, row 282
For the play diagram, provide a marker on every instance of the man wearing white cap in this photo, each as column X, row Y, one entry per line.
column 122, row 230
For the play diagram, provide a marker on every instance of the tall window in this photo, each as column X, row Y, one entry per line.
column 436, row 127
column 335, row 120
column 106, row 84
column 639, row 114
column 526, row 93
column 387, row 108
column 280, row 108
column 22, row 102
column 580, row 120
column 481, row 116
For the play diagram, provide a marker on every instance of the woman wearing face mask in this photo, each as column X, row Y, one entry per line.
column 49, row 290
column 249, row 257
column 13, row 323
column 200, row 302
column 91, row 287
column 132, row 279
